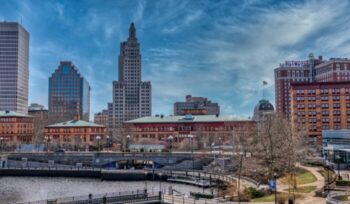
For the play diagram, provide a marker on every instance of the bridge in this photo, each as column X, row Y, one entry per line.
column 111, row 159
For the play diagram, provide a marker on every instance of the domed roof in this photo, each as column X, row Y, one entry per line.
column 264, row 105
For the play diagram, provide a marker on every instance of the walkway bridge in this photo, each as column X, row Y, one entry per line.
column 101, row 159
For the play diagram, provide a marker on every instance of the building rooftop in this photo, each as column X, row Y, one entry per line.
column 75, row 123
column 186, row 119
column 12, row 114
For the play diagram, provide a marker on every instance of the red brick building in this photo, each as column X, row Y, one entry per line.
column 321, row 106
column 74, row 132
column 336, row 69
column 204, row 128
column 291, row 72
column 15, row 128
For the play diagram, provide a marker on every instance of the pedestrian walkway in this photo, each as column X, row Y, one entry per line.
column 307, row 198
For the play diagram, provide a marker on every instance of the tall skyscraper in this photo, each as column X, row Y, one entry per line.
column 69, row 94
column 131, row 96
column 14, row 71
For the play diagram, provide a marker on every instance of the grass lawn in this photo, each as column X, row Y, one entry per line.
column 342, row 198
column 304, row 189
column 303, row 176
column 271, row 198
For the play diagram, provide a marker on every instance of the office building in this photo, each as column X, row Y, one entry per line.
column 14, row 71
column 131, row 96
column 40, row 120
column 101, row 118
column 196, row 106
column 321, row 106
column 69, row 94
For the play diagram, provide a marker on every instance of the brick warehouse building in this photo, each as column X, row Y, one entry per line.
column 15, row 128
column 321, row 106
column 74, row 133
column 206, row 128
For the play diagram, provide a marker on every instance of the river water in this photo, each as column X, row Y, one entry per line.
column 24, row 189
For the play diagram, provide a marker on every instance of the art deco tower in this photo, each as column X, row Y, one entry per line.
column 131, row 96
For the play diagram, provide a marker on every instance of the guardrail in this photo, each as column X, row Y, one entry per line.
column 110, row 198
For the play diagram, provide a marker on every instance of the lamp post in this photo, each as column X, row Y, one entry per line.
column 191, row 138
column 327, row 184
column 160, row 185
column 127, row 142
column 170, row 139
column 107, row 137
column 241, row 157
column 1, row 141
column 275, row 177
column 98, row 138
column 146, row 181
column 337, row 157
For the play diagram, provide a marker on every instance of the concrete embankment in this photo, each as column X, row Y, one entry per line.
column 110, row 175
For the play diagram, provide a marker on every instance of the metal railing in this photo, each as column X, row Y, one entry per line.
column 110, row 198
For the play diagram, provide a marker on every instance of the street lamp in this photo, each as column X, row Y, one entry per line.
column 275, row 177
column 160, row 185
column 107, row 137
column 337, row 157
column 241, row 156
column 191, row 138
column 127, row 141
column 1, row 141
column 170, row 139
column 146, row 181
column 98, row 138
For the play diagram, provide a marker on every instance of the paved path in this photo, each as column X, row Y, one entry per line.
column 308, row 198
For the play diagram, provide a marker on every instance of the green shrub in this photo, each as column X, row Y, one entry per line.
column 201, row 195
column 254, row 193
column 343, row 183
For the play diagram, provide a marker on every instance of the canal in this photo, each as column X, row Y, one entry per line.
column 23, row 189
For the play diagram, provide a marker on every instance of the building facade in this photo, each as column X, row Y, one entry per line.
column 196, row 106
column 321, row 106
column 69, row 94
column 14, row 71
column 40, row 120
column 206, row 129
column 131, row 96
column 101, row 118
column 15, row 128
column 74, row 133
column 292, row 72
column 336, row 69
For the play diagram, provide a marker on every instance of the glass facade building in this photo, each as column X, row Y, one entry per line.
column 14, row 71
column 69, row 94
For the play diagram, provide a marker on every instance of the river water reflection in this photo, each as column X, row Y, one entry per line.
column 22, row 189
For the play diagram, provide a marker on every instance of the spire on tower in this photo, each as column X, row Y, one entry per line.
column 132, row 31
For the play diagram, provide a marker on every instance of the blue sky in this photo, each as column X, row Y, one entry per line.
column 221, row 49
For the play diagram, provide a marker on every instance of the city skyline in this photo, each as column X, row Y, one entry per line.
column 208, row 49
